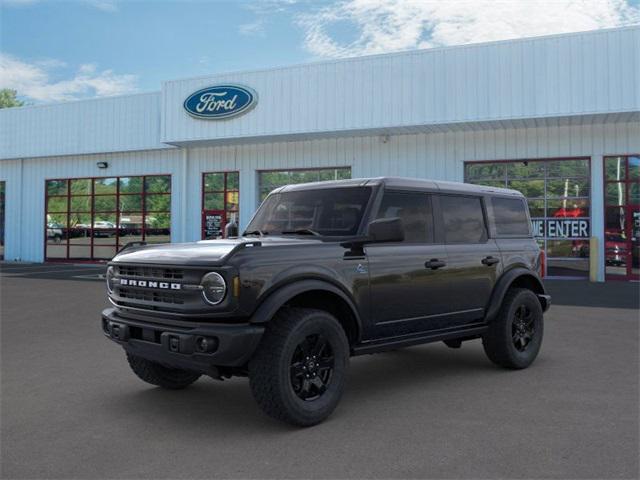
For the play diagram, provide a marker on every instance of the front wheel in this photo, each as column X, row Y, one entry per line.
column 515, row 335
column 298, row 372
column 157, row 374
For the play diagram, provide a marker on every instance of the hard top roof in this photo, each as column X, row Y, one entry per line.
column 401, row 182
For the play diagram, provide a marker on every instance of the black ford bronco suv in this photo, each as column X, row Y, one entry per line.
column 326, row 271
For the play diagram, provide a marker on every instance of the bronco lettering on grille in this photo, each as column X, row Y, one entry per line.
column 150, row 284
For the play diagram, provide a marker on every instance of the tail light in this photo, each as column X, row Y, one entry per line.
column 542, row 263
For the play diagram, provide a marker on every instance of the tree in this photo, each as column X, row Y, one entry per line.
column 8, row 98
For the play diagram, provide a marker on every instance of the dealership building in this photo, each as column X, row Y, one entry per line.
column 555, row 117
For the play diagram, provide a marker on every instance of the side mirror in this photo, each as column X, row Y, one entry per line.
column 386, row 230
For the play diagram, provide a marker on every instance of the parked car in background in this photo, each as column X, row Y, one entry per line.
column 615, row 249
column 54, row 232
column 104, row 229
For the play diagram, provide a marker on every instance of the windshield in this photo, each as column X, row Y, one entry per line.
column 326, row 212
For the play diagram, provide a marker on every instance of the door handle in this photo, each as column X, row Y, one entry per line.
column 434, row 264
column 488, row 261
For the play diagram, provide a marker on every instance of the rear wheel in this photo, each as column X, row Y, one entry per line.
column 515, row 335
column 157, row 374
column 298, row 372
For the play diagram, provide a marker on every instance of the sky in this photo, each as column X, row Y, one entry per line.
column 54, row 50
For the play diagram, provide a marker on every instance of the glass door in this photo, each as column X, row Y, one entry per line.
column 2, row 187
column 622, row 217
column 635, row 242
column 220, row 200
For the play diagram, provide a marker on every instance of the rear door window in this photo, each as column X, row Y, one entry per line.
column 463, row 219
column 510, row 216
column 414, row 209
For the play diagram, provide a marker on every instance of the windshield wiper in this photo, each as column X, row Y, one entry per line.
column 302, row 231
column 256, row 232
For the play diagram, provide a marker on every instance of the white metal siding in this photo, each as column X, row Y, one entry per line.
column 113, row 124
column 558, row 76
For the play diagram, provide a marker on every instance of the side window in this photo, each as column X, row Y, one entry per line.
column 510, row 216
column 463, row 219
column 414, row 209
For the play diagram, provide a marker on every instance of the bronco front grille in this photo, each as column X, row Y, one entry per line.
column 158, row 288
column 150, row 272
column 151, row 296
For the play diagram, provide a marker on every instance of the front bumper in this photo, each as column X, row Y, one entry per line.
column 227, row 345
column 545, row 301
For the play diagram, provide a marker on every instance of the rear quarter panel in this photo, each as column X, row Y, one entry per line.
column 519, row 252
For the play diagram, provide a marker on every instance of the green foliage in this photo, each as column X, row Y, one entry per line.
column 158, row 184
column 8, row 98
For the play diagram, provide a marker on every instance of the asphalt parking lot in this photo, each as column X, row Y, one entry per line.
column 72, row 409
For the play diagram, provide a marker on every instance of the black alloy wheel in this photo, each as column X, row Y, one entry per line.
column 523, row 328
column 312, row 367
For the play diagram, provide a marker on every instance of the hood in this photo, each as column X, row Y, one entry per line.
column 204, row 252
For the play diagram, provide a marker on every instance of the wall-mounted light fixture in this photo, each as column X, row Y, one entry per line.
column 384, row 138
column 102, row 165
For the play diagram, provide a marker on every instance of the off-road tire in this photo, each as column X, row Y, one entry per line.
column 270, row 367
column 498, row 342
column 156, row 374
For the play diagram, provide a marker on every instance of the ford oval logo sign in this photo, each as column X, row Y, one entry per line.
column 220, row 101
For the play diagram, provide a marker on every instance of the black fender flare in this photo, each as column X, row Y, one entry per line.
column 506, row 280
column 281, row 295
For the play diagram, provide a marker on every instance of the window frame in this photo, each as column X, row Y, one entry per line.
column 91, row 212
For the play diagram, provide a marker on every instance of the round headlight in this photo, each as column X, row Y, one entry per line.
column 111, row 272
column 214, row 288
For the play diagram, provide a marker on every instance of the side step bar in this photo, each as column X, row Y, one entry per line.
column 375, row 346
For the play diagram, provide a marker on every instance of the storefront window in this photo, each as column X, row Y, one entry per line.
column 558, row 194
column 622, row 216
column 220, row 202
column 269, row 180
column 92, row 218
